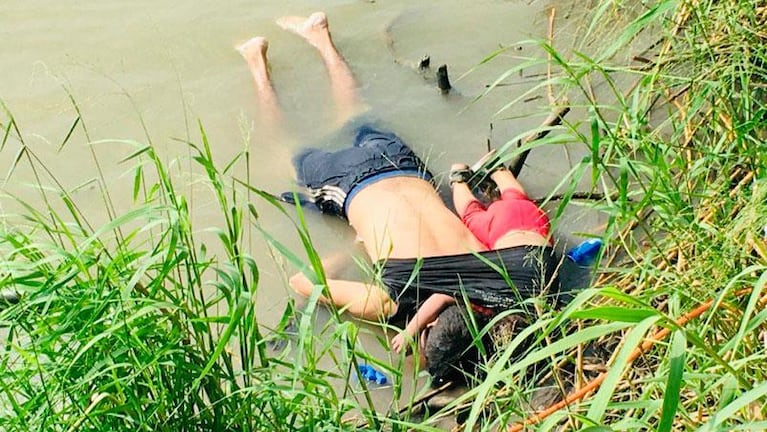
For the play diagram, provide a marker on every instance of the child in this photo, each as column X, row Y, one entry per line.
column 515, row 227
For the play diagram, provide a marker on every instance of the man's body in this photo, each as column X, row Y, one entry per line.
column 424, row 226
column 396, row 217
column 428, row 258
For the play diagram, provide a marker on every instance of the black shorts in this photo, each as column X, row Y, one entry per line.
column 497, row 280
column 334, row 177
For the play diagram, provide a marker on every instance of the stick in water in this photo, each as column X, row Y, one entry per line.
column 555, row 119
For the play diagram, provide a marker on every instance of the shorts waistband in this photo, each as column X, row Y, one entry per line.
column 382, row 176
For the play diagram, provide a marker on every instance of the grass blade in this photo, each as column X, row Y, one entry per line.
column 674, row 383
column 606, row 390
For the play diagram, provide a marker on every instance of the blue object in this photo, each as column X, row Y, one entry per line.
column 364, row 370
column 585, row 253
column 380, row 378
column 371, row 374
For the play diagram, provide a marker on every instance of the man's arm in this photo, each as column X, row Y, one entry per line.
column 427, row 313
column 362, row 300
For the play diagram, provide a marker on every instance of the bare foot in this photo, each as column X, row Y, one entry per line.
column 254, row 49
column 314, row 28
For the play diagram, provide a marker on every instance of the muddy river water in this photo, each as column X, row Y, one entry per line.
column 170, row 64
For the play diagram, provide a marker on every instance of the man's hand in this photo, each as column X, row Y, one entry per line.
column 301, row 284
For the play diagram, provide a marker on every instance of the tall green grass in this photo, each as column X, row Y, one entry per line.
column 674, row 139
column 138, row 324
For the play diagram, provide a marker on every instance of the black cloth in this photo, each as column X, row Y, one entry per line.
column 498, row 280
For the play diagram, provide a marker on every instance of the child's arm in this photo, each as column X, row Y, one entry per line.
column 427, row 313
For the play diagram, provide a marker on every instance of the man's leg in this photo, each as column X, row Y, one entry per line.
column 254, row 52
column 315, row 30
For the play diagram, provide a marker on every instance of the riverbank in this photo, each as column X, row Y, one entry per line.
column 135, row 324
column 675, row 114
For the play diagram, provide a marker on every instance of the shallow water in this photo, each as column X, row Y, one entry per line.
column 169, row 64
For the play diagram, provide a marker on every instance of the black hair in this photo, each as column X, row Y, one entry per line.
column 451, row 352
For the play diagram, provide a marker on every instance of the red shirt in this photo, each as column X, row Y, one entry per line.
column 513, row 211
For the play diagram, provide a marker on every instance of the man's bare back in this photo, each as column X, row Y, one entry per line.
column 404, row 217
